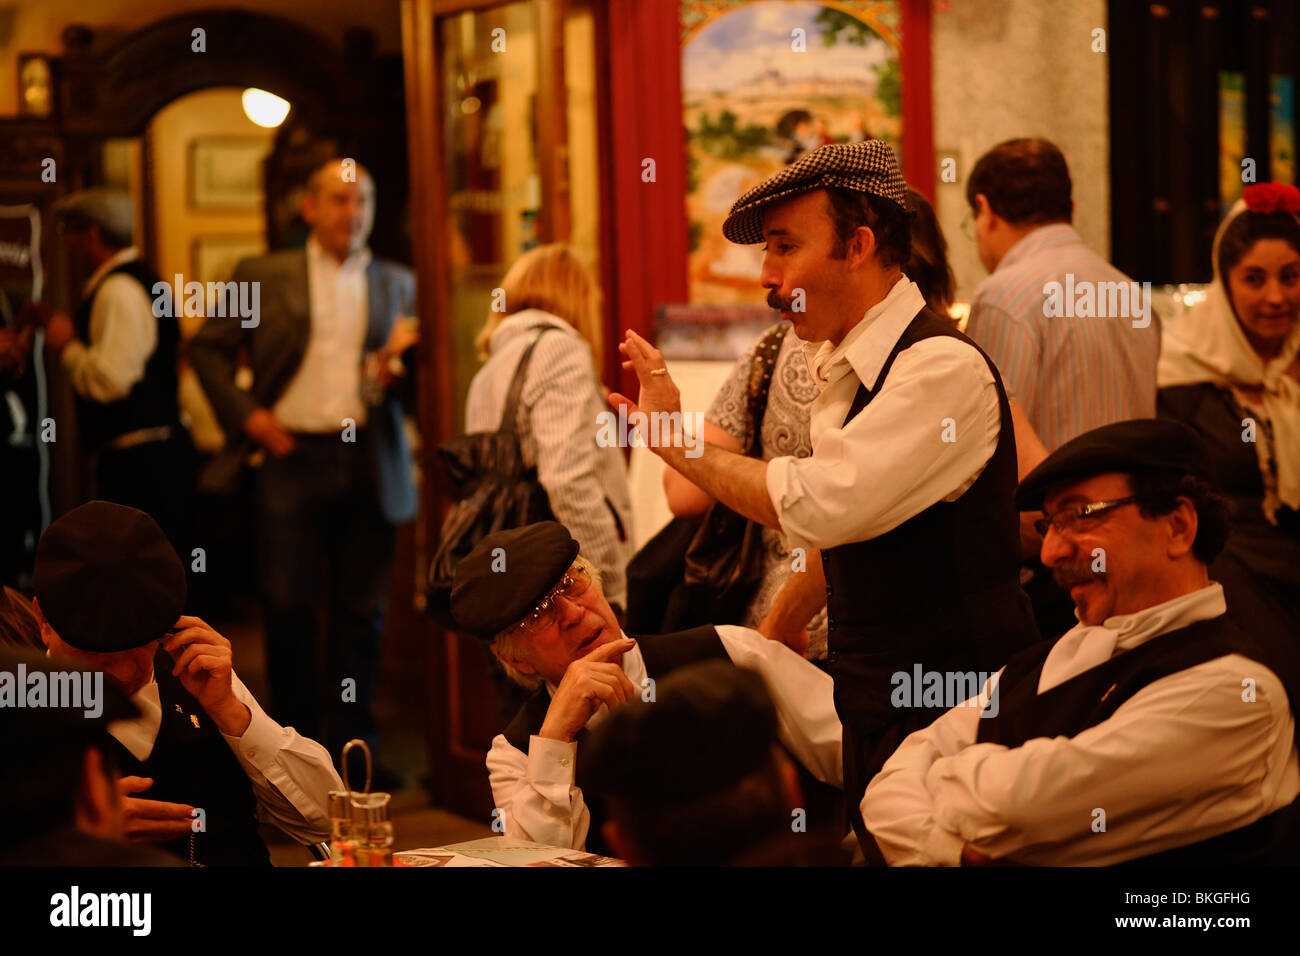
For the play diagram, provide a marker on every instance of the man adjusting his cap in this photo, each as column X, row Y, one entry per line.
column 109, row 594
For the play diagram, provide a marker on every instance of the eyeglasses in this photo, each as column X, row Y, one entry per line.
column 574, row 584
column 968, row 225
column 1068, row 520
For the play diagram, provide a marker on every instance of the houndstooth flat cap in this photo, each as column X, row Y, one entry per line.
column 866, row 167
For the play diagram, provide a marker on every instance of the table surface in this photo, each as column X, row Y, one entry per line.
column 500, row 851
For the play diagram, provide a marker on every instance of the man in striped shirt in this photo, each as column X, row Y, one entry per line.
column 1074, row 338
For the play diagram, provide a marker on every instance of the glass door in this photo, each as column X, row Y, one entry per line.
column 488, row 62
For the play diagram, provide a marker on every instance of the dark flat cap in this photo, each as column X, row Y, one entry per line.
column 710, row 725
column 507, row 575
column 867, row 167
column 1142, row 445
column 108, row 207
column 107, row 578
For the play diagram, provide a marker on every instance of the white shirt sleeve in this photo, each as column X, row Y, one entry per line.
column 897, row 808
column 536, row 794
column 803, row 695
column 924, row 438
column 1207, row 761
column 291, row 775
column 123, row 334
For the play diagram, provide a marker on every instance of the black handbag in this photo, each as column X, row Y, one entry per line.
column 724, row 560
column 496, row 491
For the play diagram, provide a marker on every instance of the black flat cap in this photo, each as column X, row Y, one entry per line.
column 107, row 578
column 710, row 725
column 1142, row 445
column 866, row 167
column 507, row 575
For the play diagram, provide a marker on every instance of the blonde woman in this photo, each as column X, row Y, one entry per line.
column 550, row 292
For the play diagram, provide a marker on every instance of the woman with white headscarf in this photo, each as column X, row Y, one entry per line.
column 1230, row 370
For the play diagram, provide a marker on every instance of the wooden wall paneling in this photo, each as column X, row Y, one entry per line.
column 1208, row 56
column 1257, row 88
column 1183, row 143
column 1162, row 127
column 554, row 219
column 434, row 376
column 1130, row 218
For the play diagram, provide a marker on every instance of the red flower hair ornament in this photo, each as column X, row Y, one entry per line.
column 1272, row 197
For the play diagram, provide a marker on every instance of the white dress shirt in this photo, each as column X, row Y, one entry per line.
column 1183, row 760
column 291, row 775
column 327, row 386
column 924, row 438
column 123, row 334
column 586, row 484
column 536, row 791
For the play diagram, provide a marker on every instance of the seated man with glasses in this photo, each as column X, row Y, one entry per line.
column 1154, row 730
column 540, row 604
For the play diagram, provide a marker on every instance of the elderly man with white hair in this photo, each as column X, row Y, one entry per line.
column 539, row 603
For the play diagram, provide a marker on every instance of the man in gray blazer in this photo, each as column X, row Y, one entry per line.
column 324, row 412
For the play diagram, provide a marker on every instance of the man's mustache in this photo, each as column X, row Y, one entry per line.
column 1067, row 576
column 775, row 301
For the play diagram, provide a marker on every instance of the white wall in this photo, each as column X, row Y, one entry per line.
column 1008, row 68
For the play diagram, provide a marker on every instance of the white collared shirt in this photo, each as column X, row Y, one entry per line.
column 536, row 792
column 1184, row 759
column 291, row 776
column 327, row 387
column 925, row 437
column 123, row 334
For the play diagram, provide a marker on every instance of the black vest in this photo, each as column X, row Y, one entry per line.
column 1089, row 698
column 152, row 401
column 662, row 653
column 941, row 590
column 192, row 763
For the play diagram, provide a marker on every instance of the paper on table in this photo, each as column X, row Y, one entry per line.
column 498, row 851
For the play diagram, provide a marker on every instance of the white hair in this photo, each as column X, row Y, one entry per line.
column 510, row 645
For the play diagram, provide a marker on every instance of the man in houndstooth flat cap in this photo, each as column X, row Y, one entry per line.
column 909, row 490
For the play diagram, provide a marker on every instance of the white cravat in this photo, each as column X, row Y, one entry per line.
column 139, row 734
column 1085, row 647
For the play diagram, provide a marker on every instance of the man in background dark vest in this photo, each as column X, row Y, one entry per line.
column 909, row 489
column 539, row 603
column 1155, row 730
column 120, row 357
column 109, row 594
